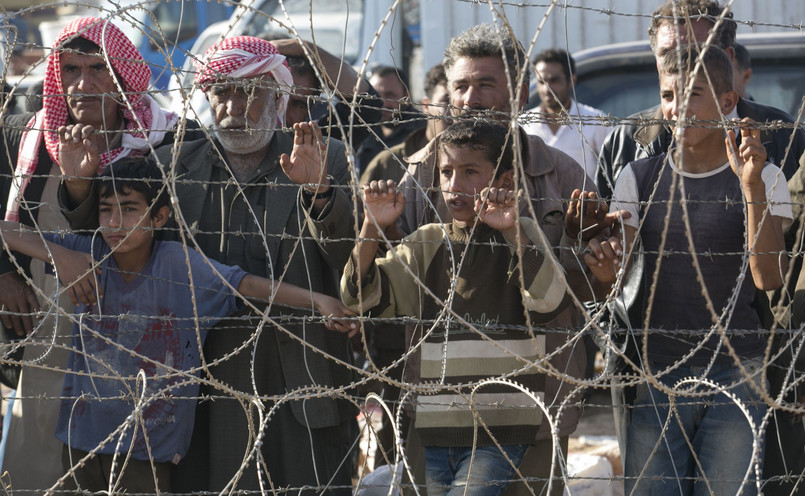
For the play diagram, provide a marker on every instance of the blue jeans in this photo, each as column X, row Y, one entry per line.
column 448, row 471
column 713, row 425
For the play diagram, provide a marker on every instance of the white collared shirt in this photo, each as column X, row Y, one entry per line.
column 582, row 139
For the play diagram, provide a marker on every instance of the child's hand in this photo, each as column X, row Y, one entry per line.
column 382, row 202
column 306, row 164
column 78, row 156
column 333, row 310
column 75, row 271
column 589, row 215
column 748, row 160
column 497, row 208
column 604, row 259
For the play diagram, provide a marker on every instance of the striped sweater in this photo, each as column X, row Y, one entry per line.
column 494, row 299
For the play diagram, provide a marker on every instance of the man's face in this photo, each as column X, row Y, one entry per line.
column 89, row 89
column 554, row 87
column 245, row 113
column 126, row 214
column 670, row 35
column 298, row 109
column 392, row 91
column 700, row 105
column 463, row 173
column 436, row 105
column 479, row 84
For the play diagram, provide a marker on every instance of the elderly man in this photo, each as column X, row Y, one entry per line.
column 91, row 61
column 258, row 198
column 479, row 86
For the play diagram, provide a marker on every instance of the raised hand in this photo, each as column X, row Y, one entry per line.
column 589, row 215
column 748, row 159
column 306, row 165
column 497, row 208
column 382, row 202
column 78, row 159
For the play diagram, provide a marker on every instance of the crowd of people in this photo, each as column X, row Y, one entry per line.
column 187, row 310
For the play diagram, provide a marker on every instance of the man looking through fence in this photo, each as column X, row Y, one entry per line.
column 91, row 63
column 560, row 120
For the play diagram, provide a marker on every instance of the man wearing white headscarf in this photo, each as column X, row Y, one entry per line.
column 257, row 197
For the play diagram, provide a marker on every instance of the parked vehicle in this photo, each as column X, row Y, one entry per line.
column 621, row 79
column 164, row 31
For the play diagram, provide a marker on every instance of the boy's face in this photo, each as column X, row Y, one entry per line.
column 463, row 173
column 700, row 104
column 123, row 213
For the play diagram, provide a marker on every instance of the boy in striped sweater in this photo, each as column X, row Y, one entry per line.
column 477, row 285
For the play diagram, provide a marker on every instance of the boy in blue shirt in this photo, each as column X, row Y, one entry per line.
column 141, row 320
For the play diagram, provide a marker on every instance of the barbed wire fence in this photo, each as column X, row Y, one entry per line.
column 624, row 348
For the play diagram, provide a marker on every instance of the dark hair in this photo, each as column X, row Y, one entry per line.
column 382, row 71
column 486, row 40
column 742, row 57
column 434, row 78
column 558, row 56
column 300, row 66
column 482, row 135
column 82, row 45
column 695, row 9
column 135, row 174
column 715, row 61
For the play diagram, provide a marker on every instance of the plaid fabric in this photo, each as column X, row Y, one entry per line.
column 245, row 57
column 140, row 113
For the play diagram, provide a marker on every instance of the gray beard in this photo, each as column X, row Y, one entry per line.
column 244, row 142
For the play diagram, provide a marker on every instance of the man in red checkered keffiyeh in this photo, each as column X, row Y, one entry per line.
column 96, row 81
column 91, row 62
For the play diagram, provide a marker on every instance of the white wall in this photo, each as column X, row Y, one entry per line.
column 583, row 23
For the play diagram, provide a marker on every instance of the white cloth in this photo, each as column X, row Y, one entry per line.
column 582, row 139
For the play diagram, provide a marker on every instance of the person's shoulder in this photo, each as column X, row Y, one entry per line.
column 588, row 110
column 760, row 112
column 165, row 151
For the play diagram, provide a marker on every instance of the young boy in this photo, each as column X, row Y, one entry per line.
column 156, row 301
column 485, row 279
column 733, row 206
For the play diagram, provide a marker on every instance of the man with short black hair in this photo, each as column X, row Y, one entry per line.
column 560, row 120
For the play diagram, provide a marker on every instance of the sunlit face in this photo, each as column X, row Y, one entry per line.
column 700, row 105
column 479, row 83
column 553, row 86
column 245, row 113
column 463, row 173
column 90, row 91
column 670, row 35
column 126, row 214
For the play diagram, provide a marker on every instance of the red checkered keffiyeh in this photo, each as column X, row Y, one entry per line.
column 245, row 57
column 146, row 123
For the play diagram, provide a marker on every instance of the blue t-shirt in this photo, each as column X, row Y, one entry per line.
column 150, row 324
